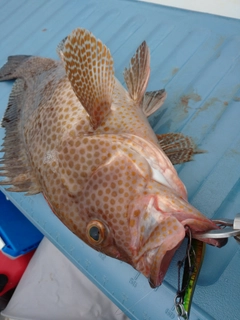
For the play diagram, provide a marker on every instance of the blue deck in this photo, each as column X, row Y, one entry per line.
column 196, row 58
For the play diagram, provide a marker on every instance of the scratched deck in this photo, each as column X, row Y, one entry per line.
column 196, row 58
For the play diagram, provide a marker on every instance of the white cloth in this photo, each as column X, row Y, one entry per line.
column 53, row 288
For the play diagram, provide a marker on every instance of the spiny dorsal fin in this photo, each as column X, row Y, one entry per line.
column 152, row 101
column 14, row 165
column 178, row 147
column 137, row 75
column 89, row 67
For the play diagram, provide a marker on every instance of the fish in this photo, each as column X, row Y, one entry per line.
column 75, row 134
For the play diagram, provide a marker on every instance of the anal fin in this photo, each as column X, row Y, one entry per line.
column 89, row 67
column 14, row 164
column 178, row 147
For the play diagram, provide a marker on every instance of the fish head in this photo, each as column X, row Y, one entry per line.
column 127, row 213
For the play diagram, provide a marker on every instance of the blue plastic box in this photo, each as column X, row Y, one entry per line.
column 18, row 233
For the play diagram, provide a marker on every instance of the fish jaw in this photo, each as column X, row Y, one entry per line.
column 158, row 227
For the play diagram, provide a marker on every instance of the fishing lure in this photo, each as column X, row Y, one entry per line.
column 193, row 262
column 194, row 259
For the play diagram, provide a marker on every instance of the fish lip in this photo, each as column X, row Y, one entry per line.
column 157, row 274
column 154, row 264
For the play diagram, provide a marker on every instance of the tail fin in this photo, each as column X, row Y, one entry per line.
column 9, row 70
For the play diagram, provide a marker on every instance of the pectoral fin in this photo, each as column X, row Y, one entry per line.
column 89, row 67
column 178, row 147
column 137, row 75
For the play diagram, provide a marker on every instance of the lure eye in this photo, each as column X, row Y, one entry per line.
column 96, row 232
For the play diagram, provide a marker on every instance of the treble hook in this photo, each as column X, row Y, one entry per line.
column 179, row 307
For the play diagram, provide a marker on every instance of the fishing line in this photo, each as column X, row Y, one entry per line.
column 133, row 305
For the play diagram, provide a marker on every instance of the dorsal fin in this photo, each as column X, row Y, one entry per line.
column 152, row 101
column 14, row 164
column 89, row 67
column 137, row 75
column 178, row 147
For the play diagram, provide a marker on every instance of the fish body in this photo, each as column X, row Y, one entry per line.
column 74, row 133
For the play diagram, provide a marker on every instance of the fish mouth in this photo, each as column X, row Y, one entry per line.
column 155, row 238
column 160, row 266
column 154, row 263
column 158, row 227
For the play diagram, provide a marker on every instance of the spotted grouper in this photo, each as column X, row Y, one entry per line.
column 74, row 133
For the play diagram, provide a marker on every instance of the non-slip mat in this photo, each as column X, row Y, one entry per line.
column 196, row 58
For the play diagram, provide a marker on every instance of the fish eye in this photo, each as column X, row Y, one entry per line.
column 96, row 232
